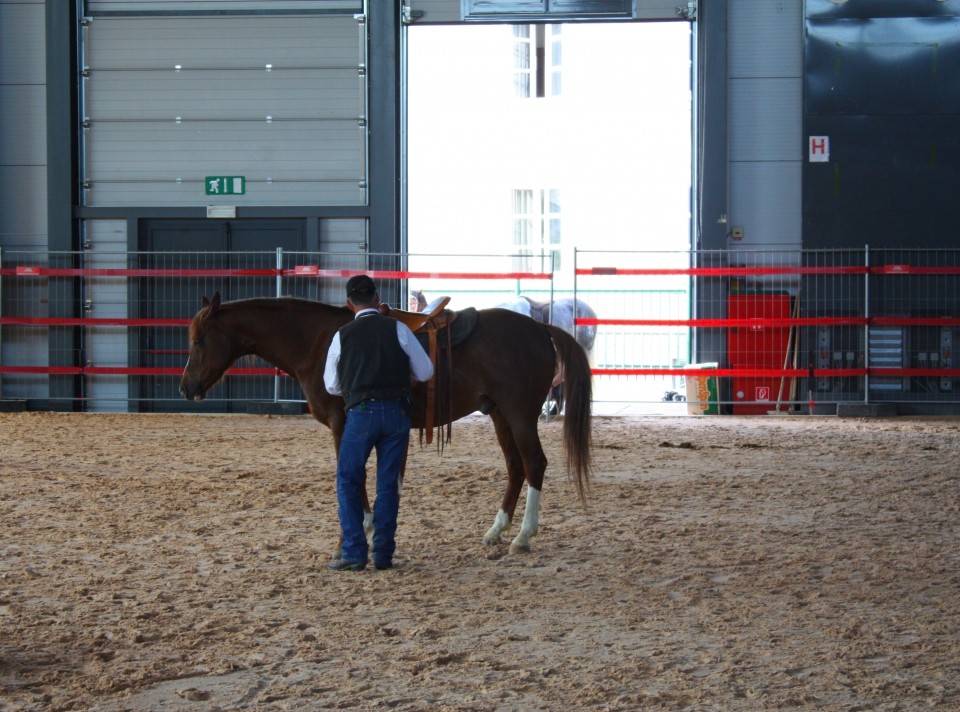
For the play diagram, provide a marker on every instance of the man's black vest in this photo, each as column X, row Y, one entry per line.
column 372, row 363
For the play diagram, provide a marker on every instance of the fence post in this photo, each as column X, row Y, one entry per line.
column 279, row 264
column 574, row 274
column 553, row 272
column 866, row 326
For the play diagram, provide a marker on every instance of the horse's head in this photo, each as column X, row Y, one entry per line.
column 417, row 301
column 212, row 351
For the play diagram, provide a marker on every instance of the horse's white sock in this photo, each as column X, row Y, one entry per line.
column 531, row 512
column 500, row 524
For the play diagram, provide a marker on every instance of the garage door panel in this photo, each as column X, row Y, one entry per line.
column 95, row 7
column 211, row 95
column 221, row 42
column 141, row 150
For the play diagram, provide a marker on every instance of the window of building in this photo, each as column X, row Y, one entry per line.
column 537, row 55
column 537, row 229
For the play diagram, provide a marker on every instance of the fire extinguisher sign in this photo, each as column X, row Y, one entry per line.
column 762, row 393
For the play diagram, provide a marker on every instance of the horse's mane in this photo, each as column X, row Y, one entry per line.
column 270, row 304
column 278, row 304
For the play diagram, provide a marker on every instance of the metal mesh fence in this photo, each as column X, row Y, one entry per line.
column 108, row 330
column 773, row 330
column 791, row 330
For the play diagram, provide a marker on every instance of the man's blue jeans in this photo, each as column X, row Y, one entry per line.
column 383, row 425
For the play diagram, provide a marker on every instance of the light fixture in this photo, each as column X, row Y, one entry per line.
column 222, row 211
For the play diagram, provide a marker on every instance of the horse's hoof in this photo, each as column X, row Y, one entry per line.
column 519, row 548
column 490, row 540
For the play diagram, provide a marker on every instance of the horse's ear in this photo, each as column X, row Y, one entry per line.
column 212, row 306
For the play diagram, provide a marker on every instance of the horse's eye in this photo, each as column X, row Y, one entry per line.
column 198, row 342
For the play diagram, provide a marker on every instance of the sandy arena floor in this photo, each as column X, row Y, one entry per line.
column 155, row 562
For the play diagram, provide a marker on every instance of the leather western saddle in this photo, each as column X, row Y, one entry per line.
column 417, row 320
column 431, row 321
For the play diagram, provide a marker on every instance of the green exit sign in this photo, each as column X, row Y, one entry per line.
column 225, row 185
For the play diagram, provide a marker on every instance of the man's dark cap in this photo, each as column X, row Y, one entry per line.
column 360, row 287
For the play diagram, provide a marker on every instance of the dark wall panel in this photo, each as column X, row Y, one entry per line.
column 883, row 66
column 886, row 92
column 891, row 182
column 880, row 8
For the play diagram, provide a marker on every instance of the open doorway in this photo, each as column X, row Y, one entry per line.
column 596, row 114
column 538, row 140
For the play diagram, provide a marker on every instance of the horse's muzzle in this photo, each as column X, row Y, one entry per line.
column 192, row 393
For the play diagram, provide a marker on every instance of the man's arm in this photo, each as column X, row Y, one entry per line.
column 330, row 379
column 421, row 368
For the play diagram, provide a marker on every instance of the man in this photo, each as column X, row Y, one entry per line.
column 371, row 363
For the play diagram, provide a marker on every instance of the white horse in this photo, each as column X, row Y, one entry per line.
column 564, row 312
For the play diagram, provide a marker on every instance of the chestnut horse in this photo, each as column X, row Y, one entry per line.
column 503, row 368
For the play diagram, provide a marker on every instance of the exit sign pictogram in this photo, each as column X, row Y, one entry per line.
column 225, row 185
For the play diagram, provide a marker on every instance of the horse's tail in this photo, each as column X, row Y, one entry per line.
column 578, row 396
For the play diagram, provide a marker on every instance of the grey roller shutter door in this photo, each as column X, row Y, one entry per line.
column 171, row 100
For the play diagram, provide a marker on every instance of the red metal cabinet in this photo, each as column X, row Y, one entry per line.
column 757, row 346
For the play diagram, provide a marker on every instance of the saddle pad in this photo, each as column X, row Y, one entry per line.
column 460, row 329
